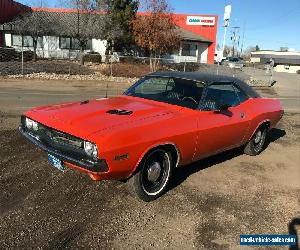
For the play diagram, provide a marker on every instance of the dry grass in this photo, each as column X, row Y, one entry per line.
column 44, row 66
column 124, row 69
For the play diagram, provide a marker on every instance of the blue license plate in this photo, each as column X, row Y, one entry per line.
column 55, row 162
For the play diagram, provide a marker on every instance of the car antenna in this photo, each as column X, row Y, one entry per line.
column 106, row 89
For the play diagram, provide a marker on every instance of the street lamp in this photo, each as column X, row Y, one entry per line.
column 227, row 13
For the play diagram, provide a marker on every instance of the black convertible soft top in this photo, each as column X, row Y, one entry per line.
column 207, row 79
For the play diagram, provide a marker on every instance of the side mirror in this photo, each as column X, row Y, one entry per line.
column 222, row 107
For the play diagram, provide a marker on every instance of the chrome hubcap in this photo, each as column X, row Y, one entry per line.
column 154, row 171
column 258, row 136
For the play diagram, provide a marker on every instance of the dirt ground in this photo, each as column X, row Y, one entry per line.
column 208, row 205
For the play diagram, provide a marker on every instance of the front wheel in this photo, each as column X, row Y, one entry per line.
column 257, row 143
column 153, row 175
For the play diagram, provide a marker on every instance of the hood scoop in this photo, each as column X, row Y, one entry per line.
column 84, row 102
column 119, row 112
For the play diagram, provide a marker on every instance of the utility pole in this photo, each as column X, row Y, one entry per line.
column 243, row 38
column 235, row 38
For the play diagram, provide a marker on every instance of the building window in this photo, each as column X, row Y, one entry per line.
column 40, row 43
column 89, row 45
column 16, row 40
column 65, row 42
column 189, row 49
column 27, row 41
column 73, row 43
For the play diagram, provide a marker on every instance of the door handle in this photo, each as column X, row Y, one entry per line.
column 242, row 114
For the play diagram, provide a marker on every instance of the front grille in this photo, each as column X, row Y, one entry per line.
column 63, row 138
column 63, row 146
column 57, row 140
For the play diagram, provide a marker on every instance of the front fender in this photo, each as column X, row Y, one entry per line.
column 156, row 145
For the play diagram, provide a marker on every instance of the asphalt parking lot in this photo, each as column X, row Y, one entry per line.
column 208, row 205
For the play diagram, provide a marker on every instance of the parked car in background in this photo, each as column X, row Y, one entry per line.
column 219, row 58
column 234, row 62
column 165, row 120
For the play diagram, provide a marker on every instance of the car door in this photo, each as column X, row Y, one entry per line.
column 219, row 130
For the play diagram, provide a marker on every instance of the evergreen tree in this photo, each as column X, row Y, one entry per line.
column 121, row 14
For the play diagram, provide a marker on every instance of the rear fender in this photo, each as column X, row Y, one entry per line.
column 261, row 123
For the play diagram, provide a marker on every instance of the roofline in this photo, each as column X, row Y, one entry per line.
column 208, row 83
column 59, row 10
column 195, row 40
column 183, row 14
column 66, row 10
column 276, row 51
column 188, row 76
column 72, row 10
column 155, row 74
column 207, row 79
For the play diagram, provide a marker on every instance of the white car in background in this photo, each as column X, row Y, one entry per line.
column 219, row 58
column 234, row 62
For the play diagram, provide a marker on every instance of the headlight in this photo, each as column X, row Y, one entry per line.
column 90, row 149
column 35, row 126
column 30, row 124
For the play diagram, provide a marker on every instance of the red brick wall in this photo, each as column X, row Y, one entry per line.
column 209, row 32
column 1, row 39
column 8, row 10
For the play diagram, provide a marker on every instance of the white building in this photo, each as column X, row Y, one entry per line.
column 284, row 61
column 193, row 47
column 53, row 46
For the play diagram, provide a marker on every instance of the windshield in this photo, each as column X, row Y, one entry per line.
column 234, row 59
column 180, row 92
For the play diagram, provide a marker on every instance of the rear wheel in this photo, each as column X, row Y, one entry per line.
column 153, row 175
column 257, row 143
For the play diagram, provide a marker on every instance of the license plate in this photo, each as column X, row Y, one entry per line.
column 55, row 162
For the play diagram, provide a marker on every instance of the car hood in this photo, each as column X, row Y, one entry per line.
column 85, row 118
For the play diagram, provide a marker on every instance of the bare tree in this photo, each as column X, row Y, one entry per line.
column 34, row 25
column 156, row 31
column 284, row 49
column 88, row 24
column 227, row 50
column 247, row 52
column 92, row 21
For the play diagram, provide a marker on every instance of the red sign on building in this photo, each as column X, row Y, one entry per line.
column 202, row 25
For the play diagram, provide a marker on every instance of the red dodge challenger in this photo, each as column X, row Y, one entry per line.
column 165, row 120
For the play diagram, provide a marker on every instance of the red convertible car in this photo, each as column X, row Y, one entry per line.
column 165, row 120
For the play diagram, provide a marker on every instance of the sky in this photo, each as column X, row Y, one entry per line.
column 270, row 24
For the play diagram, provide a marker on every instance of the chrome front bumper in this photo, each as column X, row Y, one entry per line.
column 96, row 166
